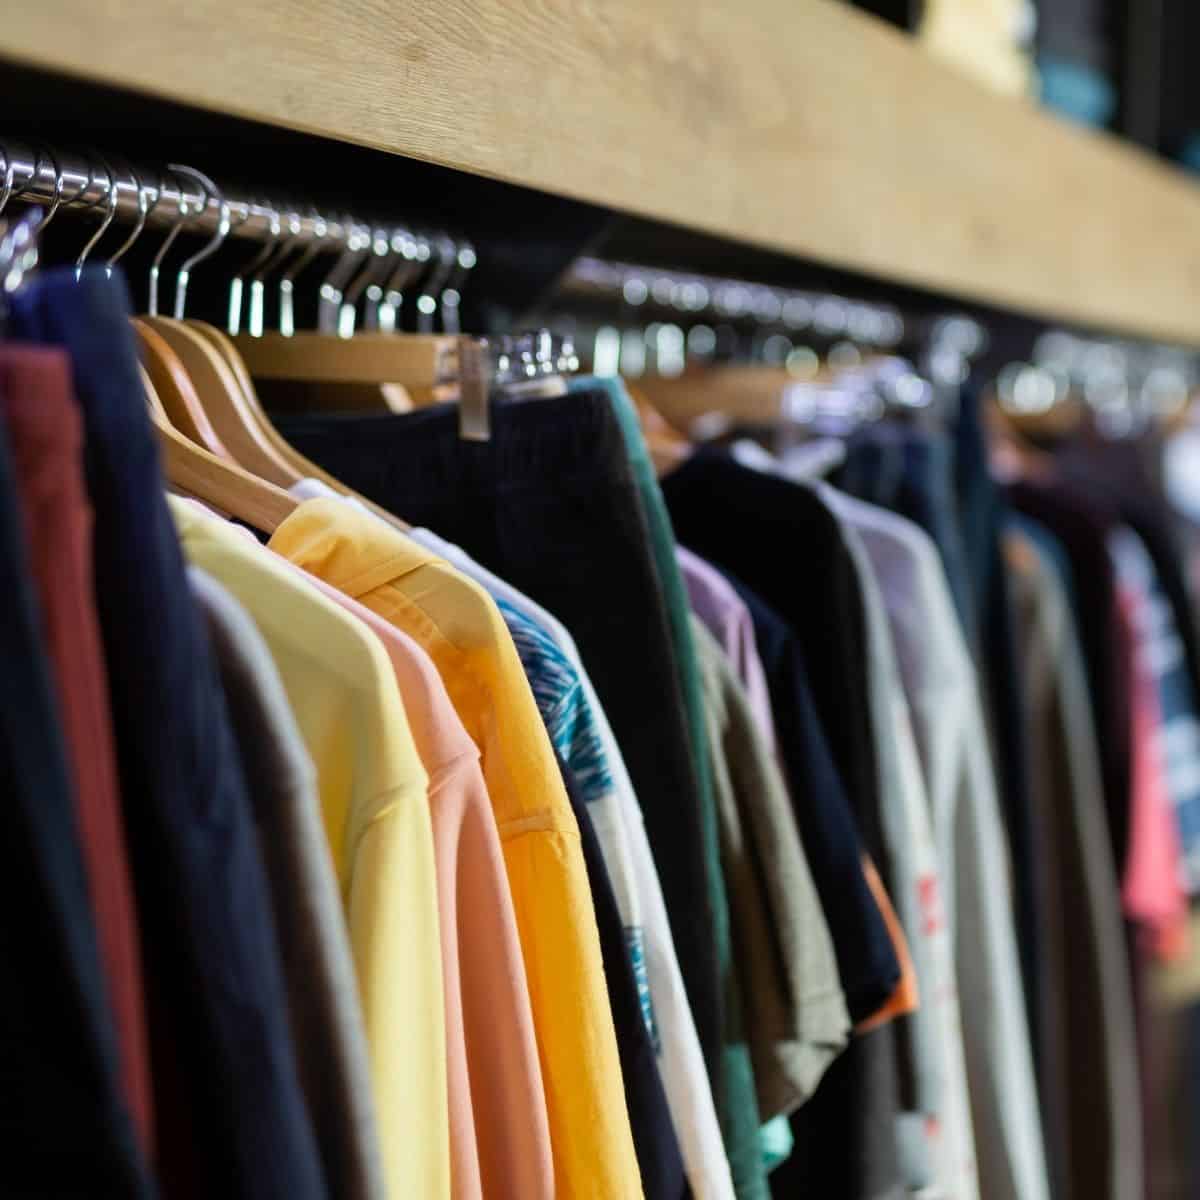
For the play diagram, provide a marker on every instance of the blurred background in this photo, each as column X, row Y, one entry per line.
column 1122, row 65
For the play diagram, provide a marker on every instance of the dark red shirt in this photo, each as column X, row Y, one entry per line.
column 46, row 437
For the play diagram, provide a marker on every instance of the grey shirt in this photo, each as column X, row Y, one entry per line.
column 1089, row 1061
column 323, row 1005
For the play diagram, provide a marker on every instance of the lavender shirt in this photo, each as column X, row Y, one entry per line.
column 715, row 601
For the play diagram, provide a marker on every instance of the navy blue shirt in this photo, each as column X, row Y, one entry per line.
column 231, row 1118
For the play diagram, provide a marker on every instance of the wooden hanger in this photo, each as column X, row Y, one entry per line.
column 200, row 474
column 224, row 403
column 304, row 467
column 668, row 447
column 419, row 362
column 301, row 396
column 751, row 395
column 176, row 393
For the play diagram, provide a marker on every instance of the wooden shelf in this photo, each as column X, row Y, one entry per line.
column 797, row 125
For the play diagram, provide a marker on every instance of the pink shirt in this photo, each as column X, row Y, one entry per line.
column 1152, row 891
column 499, row 1129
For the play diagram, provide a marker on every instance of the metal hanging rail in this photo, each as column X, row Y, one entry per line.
column 42, row 175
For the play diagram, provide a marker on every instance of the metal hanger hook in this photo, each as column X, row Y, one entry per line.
column 110, row 211
column 374, row 265
column 428, row 302
column 465, row 259
column 287, row 284
column 145, row 208
column 58, row 183
column 6, row 189
column 156, row 266
column 281, row 249
column 211, row 192
column 356, row 247
column 237, row 285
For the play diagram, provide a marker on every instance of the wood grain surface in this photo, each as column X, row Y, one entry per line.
column 798, row 125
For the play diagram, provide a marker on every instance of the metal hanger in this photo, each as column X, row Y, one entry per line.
column 233, row 321
column 213, row 384
column 407, row 269
column 427, row 365
column 110, row 198
column 256, row 325
column 156, row 266
column 465, row 260
column 374, row 266
column 287, row 281
column 6, row 188
column 145, row 208
column 184, row 272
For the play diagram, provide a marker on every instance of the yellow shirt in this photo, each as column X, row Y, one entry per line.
column 461, row 629
column 347, row 703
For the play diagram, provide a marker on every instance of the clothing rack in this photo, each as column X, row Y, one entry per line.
column 850, row 146
column 697, row 297
column 161, row 197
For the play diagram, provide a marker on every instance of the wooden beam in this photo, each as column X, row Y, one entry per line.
column 797, row 125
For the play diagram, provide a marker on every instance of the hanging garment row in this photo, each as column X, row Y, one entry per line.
column 564, row 809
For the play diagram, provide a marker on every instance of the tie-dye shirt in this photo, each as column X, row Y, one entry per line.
column 572, row 727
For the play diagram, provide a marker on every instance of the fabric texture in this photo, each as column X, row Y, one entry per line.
column 794, row 1008
column 561, row 468
column 372, row 788
column 1164, row 648
column 737, row 519
column 550, row 503
column 715, row 601
column 1089, row 1063
column 1152, row 881
column 459, row 626
column 944, row 1147
column 943, row 486
column 490, row 1040
column 982, row 511
column 845, row 1136
column 46, row 438
column 942, row 694
column 680, row 1059
column 573, row 731
column 867, row 962
column 231, row 1116
column 323, row 1007
column 60, row 1062
column 1082, row 523
column 736, row 1082
column 659, row 1160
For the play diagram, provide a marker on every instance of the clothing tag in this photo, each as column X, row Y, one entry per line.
column 474, row 418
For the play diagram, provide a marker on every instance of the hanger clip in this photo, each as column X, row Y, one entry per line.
column 474, row 386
